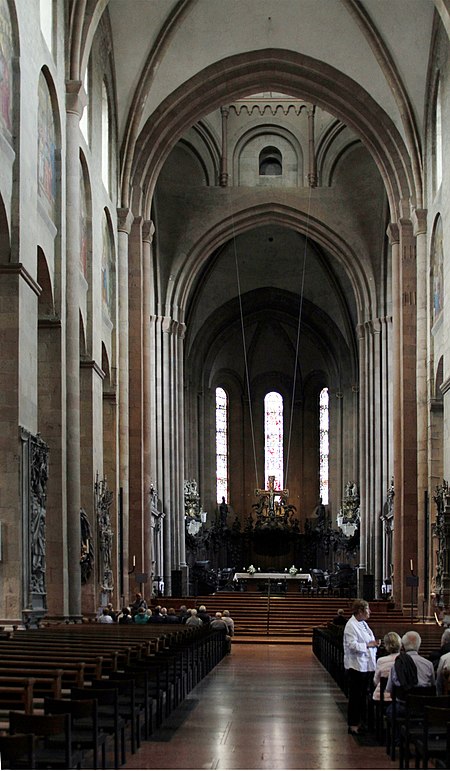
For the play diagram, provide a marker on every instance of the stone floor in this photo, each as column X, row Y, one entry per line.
column 263, row 707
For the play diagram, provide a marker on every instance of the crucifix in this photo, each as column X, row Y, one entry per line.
column 270, row 493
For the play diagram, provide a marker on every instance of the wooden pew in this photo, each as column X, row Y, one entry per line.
column 47, row 682
column 17, row 693
column 72, row 673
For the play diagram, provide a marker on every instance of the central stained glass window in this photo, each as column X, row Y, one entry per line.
column 273, row 438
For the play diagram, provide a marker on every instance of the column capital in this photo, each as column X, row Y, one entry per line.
column 125, row 220
column 419, row 221
column 393, row 233
column 172, row 327
column 225, row 111
column 76, row 97
column 375, row 326
column 148, row 231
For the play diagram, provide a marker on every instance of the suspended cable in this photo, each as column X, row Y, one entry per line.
column 297, row 346
column 244, row 345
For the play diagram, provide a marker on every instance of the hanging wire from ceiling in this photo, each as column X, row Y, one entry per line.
column 244, row 344
column 297, row 346
column 299, row 323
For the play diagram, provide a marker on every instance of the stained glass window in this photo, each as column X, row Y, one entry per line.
column 273, row 433
column 221, row 444
column 324, row 446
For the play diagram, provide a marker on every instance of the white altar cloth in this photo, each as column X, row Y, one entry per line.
column 272, row 576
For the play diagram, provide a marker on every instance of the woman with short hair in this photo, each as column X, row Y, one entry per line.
column 360, row 649
column 392, row 643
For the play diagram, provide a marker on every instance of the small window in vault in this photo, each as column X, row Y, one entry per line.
column 270, row 162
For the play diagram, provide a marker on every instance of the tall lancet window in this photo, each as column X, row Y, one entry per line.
column 324, row 444
column 273, row 433
column 105, row 137
column 438, row 138
column 221, row 444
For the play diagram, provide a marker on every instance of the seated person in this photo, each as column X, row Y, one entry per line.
column 218, row 623
column 229, row 622
column 443, row 675
column 125, row 617
column 172, row 617
column 105, row 617
column 157, row 616
column 183, row 614
column 435, row 655
column 111, row 611
column 340, row 619
column 193, row 619
column 424, row 670
column 141, row 616
column 138, row 603
column 205, row 617
column 392, row 643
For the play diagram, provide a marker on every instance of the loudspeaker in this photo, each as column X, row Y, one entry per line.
column 177, row 584
column 368, row 587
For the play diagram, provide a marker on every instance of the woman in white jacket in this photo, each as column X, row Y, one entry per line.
column 360, row 654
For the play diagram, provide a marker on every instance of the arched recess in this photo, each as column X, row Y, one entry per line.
column 283, row 71
column 49, row 148
column 188, row 268
column 184, row 166
column 290, row 152
column 269, row 316
column 50, row 426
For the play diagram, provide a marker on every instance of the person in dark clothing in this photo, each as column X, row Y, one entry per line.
column 125, row 617
column 340, row 619
column 203, row 615
column 434, row 656
column 138, row 603
column 183, row 614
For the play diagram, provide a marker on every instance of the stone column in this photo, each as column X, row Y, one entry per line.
column 404, row 286
column 409, row 398
column 394, row 239
column 363, row 444
column 224, row 159
column 124, row 223
column 75, row 100
column 181, row 331
column 167, row 449
column 420, row 232
column 376, row 467
column 312, row 162
column 149, row 479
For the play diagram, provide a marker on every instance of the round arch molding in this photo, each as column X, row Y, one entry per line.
column 186, row 272
column 277, row 70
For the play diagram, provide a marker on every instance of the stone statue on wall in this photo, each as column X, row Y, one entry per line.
column 37, row 509
column 86, row 548
column 105, row 535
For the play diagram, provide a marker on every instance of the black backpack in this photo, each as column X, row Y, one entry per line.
column 406, row 671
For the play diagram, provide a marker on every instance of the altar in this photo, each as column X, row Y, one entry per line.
column 288, row 582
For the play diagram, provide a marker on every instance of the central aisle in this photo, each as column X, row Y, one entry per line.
column 263, row 707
